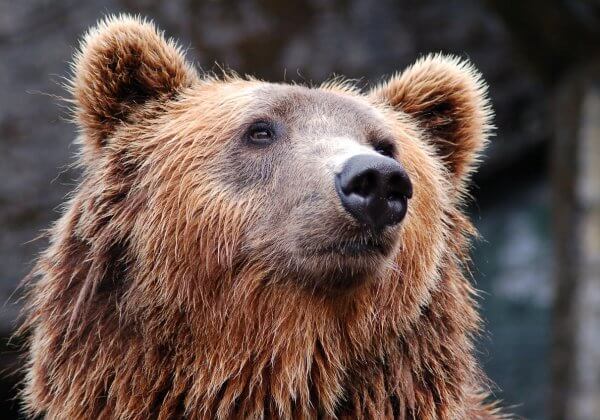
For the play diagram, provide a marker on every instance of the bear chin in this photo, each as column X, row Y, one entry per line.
column 339, row 282
column 342, row 267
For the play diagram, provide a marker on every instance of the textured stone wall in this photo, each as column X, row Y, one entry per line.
column 576, row 184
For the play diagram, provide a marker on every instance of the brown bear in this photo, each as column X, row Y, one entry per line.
column 244, row 249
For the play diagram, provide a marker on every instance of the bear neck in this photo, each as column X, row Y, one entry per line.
column 116, row 354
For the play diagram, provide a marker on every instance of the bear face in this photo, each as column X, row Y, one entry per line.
column 228, row 222
column 296, row 220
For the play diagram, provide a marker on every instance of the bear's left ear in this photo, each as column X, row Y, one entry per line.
column 122, row 63
column 448, row 98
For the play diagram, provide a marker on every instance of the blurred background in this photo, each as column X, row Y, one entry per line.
column 536, row 198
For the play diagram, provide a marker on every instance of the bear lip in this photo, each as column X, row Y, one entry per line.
column 357, row 248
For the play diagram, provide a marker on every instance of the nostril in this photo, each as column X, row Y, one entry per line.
column 395, row 196
column 363, row 184
column 400, row 186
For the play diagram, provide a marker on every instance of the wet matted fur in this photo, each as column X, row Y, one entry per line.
column 195, row 275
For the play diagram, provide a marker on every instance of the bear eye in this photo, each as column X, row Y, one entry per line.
column 260, row 133
column 385, row 148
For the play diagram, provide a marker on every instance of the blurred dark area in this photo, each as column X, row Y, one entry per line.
column 536, row 199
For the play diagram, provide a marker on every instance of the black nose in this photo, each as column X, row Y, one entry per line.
column 374, row 189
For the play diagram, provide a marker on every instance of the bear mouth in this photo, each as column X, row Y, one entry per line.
column 341, row 264
column 353, row 248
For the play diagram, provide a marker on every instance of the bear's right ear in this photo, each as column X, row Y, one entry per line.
column 123, row 62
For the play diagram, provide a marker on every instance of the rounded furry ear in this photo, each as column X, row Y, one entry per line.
column 448, row 98
column 122, row 63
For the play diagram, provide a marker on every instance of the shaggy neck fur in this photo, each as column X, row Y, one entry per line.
column 274, row 352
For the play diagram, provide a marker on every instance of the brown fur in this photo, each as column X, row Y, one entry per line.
column 170, row 290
